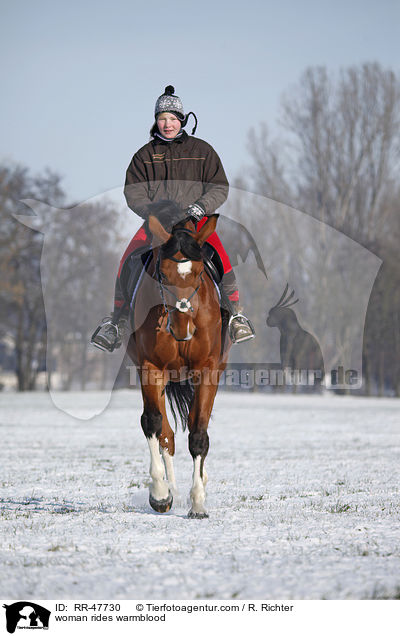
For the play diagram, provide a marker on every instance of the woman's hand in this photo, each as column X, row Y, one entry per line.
column 195, row 211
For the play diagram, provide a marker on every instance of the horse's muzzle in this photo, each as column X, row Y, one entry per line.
column 184, row 338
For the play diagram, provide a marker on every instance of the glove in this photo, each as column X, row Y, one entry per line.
column 195, row 211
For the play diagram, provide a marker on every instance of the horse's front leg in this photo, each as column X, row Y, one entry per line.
column 160, row 437
column 198, row 445
column 167, row 447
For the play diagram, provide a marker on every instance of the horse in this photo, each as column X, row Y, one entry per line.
column 180, row 350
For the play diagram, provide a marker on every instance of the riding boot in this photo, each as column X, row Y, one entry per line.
column 110, row 332
column 109, row 335
column 240, row 327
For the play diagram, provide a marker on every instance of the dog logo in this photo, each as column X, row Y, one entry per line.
column 26, row 615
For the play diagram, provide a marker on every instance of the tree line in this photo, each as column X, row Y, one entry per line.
column 336, row 158
column 50, row 301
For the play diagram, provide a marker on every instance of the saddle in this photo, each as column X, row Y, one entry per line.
column 138, row 262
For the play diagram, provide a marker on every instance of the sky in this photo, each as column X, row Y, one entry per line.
column 80, row 78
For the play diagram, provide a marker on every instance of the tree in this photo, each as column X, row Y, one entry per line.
column 22, row 313
column 75, row 265
column 337, row 160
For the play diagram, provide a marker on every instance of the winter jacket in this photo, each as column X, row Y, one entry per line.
column 185, row 170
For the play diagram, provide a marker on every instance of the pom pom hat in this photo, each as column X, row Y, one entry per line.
column 170, row 103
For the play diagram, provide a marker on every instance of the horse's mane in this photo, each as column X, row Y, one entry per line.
column 173, row 219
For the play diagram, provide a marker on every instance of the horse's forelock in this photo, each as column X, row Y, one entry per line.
column 182, row 241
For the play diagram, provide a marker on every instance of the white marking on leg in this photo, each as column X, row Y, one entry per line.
column 184, row 268
column 169, row 469
column 197, row 493
column 158, row 486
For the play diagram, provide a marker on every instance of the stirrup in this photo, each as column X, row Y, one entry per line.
column 101, row 346
column 247, row 323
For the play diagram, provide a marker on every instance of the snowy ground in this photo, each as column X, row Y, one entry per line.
column 303, row 497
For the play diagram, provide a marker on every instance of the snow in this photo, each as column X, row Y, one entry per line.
column 303, row 497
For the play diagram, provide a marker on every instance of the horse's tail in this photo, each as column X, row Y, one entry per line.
column 180, row 397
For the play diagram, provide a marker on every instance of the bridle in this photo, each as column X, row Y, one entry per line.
column 182, row 304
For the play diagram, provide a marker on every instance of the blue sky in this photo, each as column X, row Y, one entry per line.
column 80, row 79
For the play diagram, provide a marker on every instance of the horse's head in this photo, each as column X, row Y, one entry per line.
column 180, row 271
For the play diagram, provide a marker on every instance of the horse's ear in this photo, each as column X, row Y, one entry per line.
column 207, row 229
column 158, row 230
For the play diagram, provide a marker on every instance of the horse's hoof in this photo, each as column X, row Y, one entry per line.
column 161, row 505
column 197, row 515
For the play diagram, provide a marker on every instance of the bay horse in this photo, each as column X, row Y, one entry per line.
column 180, row 350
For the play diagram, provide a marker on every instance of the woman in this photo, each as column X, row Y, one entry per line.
column 177, row 167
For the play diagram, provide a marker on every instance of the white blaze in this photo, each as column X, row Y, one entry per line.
column 184, row 268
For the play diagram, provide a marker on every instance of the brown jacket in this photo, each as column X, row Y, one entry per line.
column 185, row 170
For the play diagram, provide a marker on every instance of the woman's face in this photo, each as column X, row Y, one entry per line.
column 168, row 125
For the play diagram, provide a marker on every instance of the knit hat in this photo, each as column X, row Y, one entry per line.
column 169, row 103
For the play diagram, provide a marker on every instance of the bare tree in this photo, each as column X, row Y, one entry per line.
column 78, row 277
column 22, row 313
column 337, row 159
column 81, row 263
column 345, row 138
